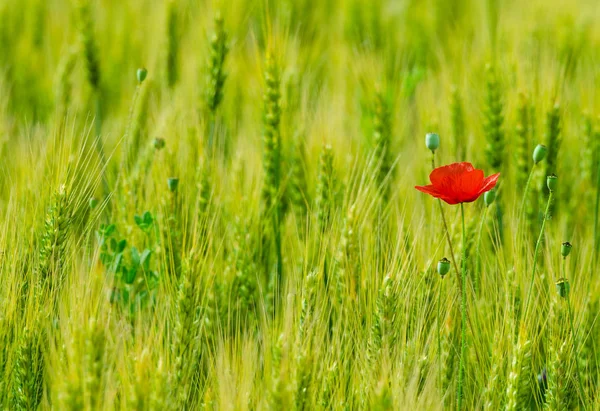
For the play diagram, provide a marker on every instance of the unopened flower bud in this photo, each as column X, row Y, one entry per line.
column 552, row 182
column 563, row 287
column 565, row 249
column 443, row 267
column 159, row 143
column 432, row 141
column 141, row 75
column 489, row 197
column 539, row 153
column 173, row 183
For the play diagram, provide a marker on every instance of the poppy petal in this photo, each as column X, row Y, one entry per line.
column 489, row 183
column 438, row 175
column 432, row 191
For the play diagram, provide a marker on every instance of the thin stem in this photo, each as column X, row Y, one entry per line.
column 477, row 254
column 525, row 194
column 535, row 253
column 575, row 345
column 581, row 389
column 596, row 211
column 126, row 144
column 446, row 228
column 460, row 281
column 98, row 140
column 463, row 312
column 439, row 334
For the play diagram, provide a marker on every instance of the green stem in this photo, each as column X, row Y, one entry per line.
column 477, row 254
column 125, row 164
column 463, row 312
column 596, row 211
column 446, row 225
column 575, row 345
column 439, row 335
column 98, row 140
column 525, row 193
column 535, row 253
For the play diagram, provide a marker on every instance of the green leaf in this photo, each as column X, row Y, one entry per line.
column 116, row 263
column 129, row 276
column 145, row 258
column 121, row 246
column 135, row 257
column 148, row 218
column 109, row 230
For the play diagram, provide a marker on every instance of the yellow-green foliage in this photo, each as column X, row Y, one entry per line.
column 293, row 266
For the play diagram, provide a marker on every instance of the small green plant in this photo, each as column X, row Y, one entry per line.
column 134, row 280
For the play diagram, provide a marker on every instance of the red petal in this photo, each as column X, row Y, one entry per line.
column 432, row 191
column 489, row 183
column 438, row 175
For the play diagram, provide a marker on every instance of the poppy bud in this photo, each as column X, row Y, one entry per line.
column 552, row 182
column 443, row 267
column 93, row 203
column 159, row 143
column 563, row 287
column 489, row 197
column 141, row 75
column 173, row 182
column 565, row 249
column 432, row 141
column 539, row 153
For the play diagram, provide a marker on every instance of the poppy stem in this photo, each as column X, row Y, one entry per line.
column 446, row 228
column 596, row 211
column 476, row 277
column 581, row 389
column 535, row 253
column 525, row 193
column 439, row 335
column 463, row 311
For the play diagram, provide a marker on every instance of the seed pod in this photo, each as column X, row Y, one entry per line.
column 489, row 197
column 565, row 249
column 173, row 184
column 443, row 267
column 563, row 287
column 539, row 153
column 432, row 141
column 552, row 182
column 141, row 75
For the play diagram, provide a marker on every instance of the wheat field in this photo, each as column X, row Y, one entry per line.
column 212, row 205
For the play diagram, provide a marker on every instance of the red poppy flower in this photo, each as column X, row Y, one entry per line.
column 458, row 183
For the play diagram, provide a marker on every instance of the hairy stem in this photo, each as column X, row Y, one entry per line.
column 476, row 275
column 535, row 253
column 463, row 313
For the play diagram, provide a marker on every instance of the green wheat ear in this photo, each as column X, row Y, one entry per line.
column 457, row 119
column 63, row 83
column 553, row 140
column 325, row 188
column 28, row 373
column 494, row 120
column 53, row 243
column 216, row 76
column 172, row 43
column 523, row 137
column 88, row 42
column 271, row 134
column 382, row 138
column 518, row 390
